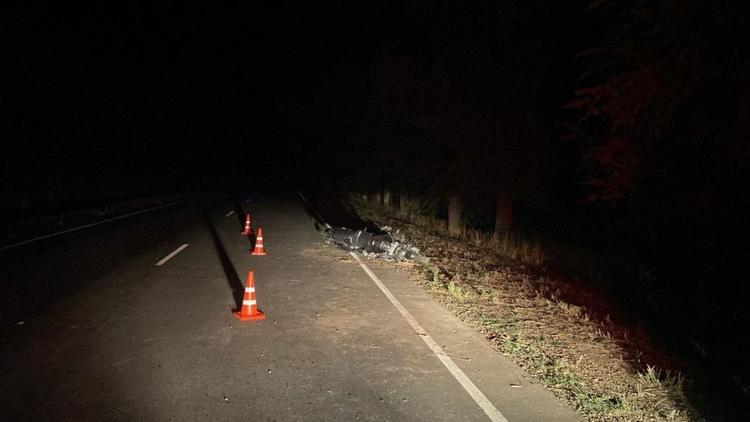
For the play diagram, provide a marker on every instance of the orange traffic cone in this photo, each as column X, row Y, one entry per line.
column 258, row 249
column 247, row 230
column 249, row 310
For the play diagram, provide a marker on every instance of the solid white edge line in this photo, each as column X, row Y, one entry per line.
column 47, row 236
column 170, row 256
column 229, row 213
column 489, row 409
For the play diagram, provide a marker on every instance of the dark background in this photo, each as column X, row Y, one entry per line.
column 620, row 130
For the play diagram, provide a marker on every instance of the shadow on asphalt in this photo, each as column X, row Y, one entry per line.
column 329, row 210
column 239, row 212
column 235, row 284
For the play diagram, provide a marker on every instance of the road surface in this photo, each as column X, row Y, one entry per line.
column 126, row 339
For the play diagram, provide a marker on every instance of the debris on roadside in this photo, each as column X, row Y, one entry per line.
column 387, row 244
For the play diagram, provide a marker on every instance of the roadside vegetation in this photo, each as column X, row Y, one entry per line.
column 46, row 221
column 500, row 287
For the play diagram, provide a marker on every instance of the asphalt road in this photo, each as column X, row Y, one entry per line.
column 115, row 337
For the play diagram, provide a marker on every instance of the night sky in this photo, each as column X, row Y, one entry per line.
column 177, row 91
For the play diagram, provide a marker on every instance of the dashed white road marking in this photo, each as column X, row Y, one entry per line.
column 229, row 213
column 489, row 409
column 170, row 256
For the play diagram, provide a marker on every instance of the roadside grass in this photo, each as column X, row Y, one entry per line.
column 510, row 245
column 51, row 220
column 485, row 280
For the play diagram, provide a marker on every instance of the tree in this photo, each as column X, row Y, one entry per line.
column 663, row 82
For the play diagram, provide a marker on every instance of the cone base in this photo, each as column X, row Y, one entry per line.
column 257, row 317
column 257, row 253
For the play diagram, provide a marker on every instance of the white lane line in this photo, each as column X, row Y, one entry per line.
column 170, row 256
column 489, row 409
column 47, row 236
column 229, row 213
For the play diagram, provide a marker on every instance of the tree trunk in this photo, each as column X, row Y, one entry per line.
column 454, row 215
column 387, row 198
column 406, row 206
column 503, row 213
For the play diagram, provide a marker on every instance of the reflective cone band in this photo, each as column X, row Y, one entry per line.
column 248, row 230
column 258, row 249
column 249, row 310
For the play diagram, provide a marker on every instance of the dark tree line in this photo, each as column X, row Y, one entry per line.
column 636, row 109
column 669, row 82
column 662, row 124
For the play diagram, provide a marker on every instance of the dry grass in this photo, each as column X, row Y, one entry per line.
column 47, row 223
column 508, row 245
column 575, row 356
column 514, row 247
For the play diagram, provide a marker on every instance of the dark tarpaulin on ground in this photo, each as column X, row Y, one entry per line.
column 386, row 244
